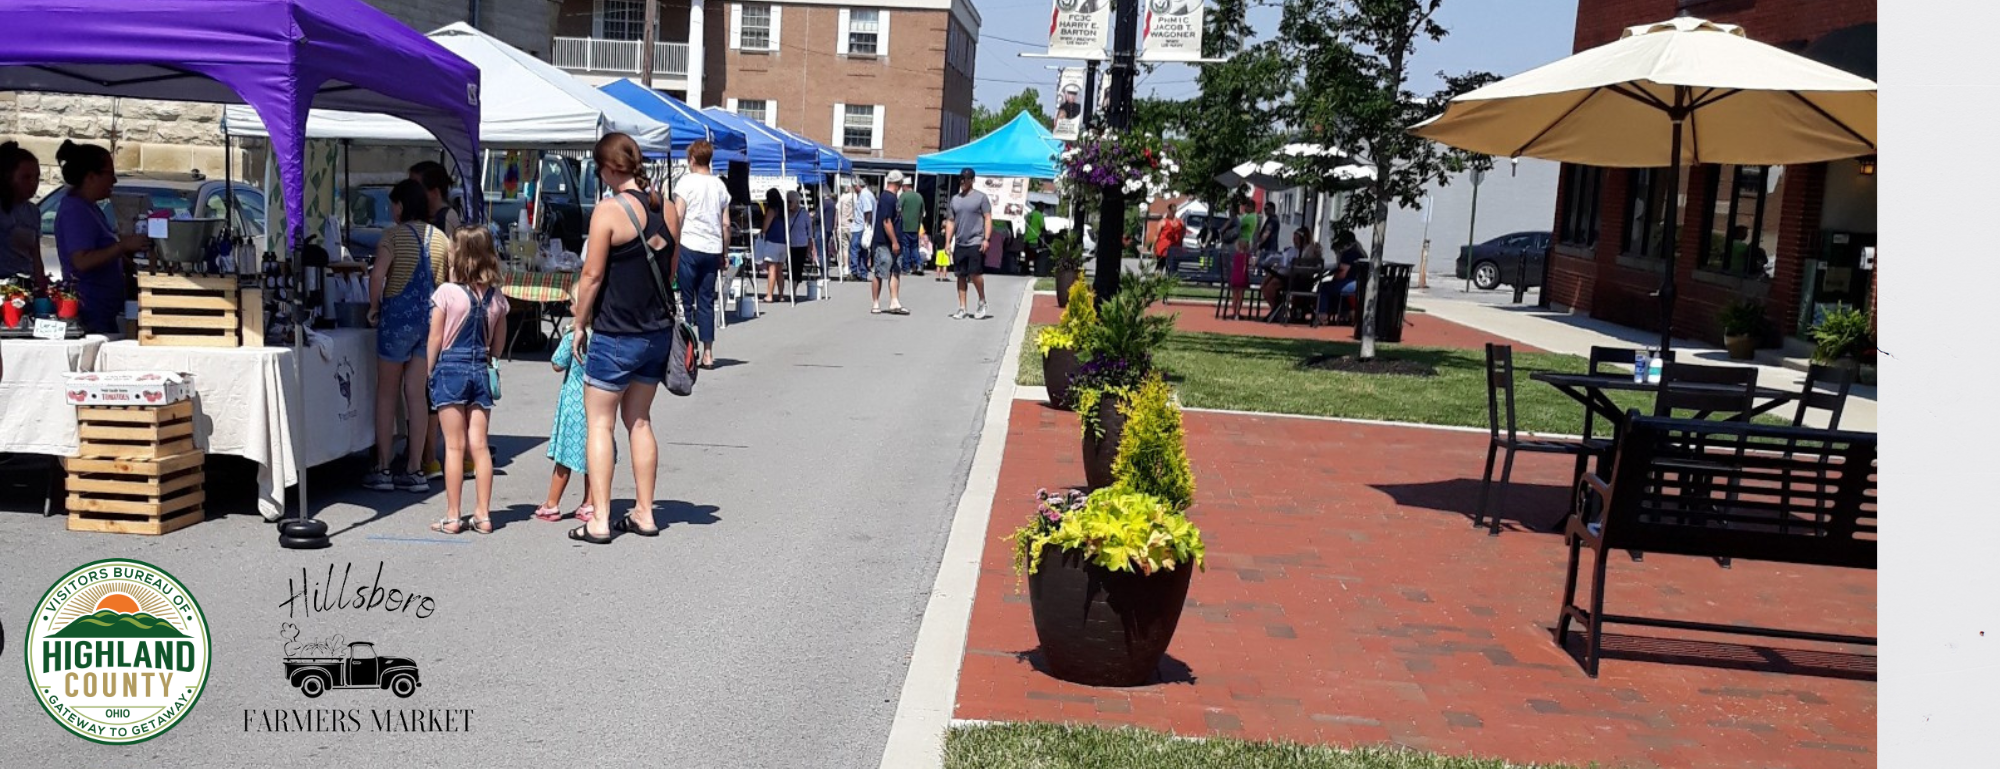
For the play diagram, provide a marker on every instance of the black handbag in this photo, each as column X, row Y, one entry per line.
column 682, row 351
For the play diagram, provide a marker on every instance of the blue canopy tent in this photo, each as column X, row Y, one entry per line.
column 770, row 152
column 830, row 159
column 688, row 124
column 1022, row 147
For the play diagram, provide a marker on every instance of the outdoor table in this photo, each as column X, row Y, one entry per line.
column 536, row 289
column 34, row 416
column 1286, row 274
column 1590, row 389
column 251, row 402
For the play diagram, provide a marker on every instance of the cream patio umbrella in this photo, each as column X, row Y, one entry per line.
column 1682, row 91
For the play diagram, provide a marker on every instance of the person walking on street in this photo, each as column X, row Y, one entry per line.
column 773, row 249
column 798, row 220
column 911, row 211
column 968, row 229
column 1033, row 238
column 843, row 216
column 859, row 235
column 703, row 202
column 888, row 249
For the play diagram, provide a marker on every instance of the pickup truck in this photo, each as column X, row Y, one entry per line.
column 360, row 669
column 565, row 207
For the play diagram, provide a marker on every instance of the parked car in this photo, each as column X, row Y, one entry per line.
column 368, row 213
column 360, row 669
column 565, row 202
column 1497, row 262
column 179, row 194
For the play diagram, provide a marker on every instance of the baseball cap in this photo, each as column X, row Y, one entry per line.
column 895, row 177
column 965, row 175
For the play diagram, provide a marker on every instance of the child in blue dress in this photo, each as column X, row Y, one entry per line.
column 567, row 437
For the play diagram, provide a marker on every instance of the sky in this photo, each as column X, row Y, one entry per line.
column 1505, row 37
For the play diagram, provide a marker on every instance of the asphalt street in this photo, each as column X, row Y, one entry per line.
column 806, row 488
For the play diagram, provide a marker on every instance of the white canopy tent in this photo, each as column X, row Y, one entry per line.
column 525, row 103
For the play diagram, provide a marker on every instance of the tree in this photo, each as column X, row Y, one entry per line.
column 986, row 121
column 1349, row 67
column 1232, row 120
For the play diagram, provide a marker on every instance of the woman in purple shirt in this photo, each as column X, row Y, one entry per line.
column 94, row 258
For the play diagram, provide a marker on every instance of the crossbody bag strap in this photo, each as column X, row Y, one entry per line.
column 659, row 280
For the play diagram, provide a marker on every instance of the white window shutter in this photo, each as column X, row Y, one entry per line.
column 881, row 33
column 839, row 125
column 842, row 42
column 731, row 106
column 877, row 143
column 735, row 30
column 777, row 26
column 771, row 112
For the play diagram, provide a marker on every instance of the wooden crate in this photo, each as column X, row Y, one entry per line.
column 190, row 311
column 135, row 432
column 126, row 496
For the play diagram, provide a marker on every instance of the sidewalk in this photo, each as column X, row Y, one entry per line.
column 1576, row 333
column 1347, row 601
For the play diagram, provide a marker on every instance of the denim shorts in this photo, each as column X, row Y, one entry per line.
column 616, row 361
column 885, row 262
column 402, row 342
column 460, row 383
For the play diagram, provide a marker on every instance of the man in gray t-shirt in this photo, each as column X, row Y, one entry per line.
column 967, row 230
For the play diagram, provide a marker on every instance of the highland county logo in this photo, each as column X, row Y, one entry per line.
column 117, row 651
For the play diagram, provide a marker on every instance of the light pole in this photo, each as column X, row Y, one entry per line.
column 1424, row 256
column 1472, row 227
column 1118, row 118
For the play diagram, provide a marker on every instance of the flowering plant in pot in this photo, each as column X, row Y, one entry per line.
column 1058, row 343
column 1127, row 552
column 1136, row 162
column 1066, row 261
column 68, row 305
column 1117, row 355
column 13, row 302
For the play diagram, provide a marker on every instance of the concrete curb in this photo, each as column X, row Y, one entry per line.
column 930, row 687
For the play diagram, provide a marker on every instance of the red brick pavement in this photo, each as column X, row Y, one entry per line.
column 1348, row 601
column 1419, row 330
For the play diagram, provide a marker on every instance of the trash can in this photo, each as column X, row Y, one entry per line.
column 1389, row 306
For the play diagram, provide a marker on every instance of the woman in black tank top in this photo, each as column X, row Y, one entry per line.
column 630, row 318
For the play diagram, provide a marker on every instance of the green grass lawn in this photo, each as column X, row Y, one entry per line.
column 1246, row 373
column 1055, row 746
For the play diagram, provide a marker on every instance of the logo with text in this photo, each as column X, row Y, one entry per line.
column 117, row 652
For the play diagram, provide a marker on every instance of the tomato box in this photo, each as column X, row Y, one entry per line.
column 126, row 388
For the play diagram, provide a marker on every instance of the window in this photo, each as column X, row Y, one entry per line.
column 757, row 26
column 1583, row 188
column 858, row 126
column 756, row 109
column 1646, row 212
column 1735, row 222
column 619, row 20
column 864, row 32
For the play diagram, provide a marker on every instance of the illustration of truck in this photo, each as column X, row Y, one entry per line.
column 360, row 669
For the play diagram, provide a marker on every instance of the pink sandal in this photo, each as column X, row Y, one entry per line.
column 550, row 514
column 585, row 512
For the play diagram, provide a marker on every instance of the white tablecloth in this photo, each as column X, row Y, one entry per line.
column 248, row 402
column 34, row 418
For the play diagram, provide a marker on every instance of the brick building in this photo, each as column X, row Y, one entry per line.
column 1790, row 237
column 883, row 80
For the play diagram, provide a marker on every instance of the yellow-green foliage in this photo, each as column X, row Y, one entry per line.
column 1054, row 338
column 1079, row 315
column 1152, row 451
column 1120, row 530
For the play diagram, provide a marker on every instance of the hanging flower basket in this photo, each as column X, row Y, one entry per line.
column 1137, row 163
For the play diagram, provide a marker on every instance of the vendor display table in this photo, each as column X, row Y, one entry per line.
column 525, row 286
column 249, row 402
column 34, row 417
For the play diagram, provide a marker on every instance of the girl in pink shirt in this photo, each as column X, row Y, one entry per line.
column 468, row 326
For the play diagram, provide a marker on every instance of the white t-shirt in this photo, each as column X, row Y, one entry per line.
column 706, row 197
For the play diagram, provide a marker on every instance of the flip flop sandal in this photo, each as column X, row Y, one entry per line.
column 585, row 512
column 582, row 534
column 448, row 525
column 482, row 525
column 874, row 311
column 550, row 514
column 627, row 525
column 898, row 311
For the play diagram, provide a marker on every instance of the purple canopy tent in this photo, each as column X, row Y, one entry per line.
column 280, row 57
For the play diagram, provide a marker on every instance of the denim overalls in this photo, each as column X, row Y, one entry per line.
column 406, row 317
column 460, row 376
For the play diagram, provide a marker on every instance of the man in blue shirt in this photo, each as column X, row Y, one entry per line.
column 858, row 230
column 887, row 248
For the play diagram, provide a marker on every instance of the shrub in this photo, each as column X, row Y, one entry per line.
column 1066, row 253
column 1843, row 333
column 1743, row 318
column 1152, row 453
column 1100, row 377
column 1117, row 529
column 1068, row 333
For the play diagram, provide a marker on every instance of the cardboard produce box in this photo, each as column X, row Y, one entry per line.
column 126, row 388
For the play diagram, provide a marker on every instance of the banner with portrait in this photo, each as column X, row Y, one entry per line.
column 1069, row 103
column 1079, row 29
column 1172, row 31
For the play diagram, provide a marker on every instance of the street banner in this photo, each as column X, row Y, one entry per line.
column 1069, row 103
column 1079, row 29
column 1173, row 31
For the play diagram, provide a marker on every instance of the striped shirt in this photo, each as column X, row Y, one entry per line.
column 407, row 251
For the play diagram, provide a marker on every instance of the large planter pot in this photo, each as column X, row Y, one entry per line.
column 1057, row 367
column 1064, row 279
column 1100, row 627
column 1741, row 346
column 1849, row 364
column 1100, row 453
